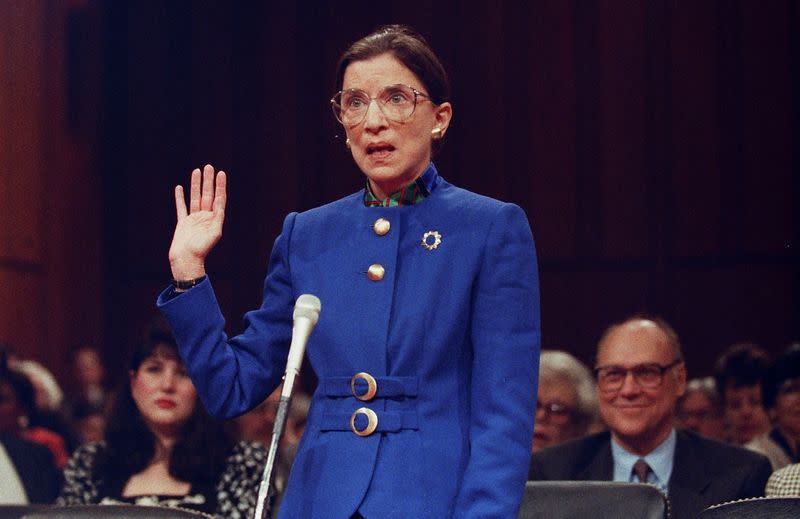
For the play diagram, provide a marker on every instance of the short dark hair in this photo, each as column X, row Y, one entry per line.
column 410, row 48
column 742, row 364
column 661, row 324
column 785, row 367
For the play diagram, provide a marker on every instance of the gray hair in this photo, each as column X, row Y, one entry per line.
column 555, row 365
column 705, row 385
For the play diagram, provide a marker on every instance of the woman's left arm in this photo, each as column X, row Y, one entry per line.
column 505, row 340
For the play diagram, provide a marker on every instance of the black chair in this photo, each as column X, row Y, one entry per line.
column 115, row 512
column 582, row 499
column 771, row 507
column 17, row 511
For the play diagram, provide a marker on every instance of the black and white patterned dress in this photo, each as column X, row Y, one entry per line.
column 233, row 497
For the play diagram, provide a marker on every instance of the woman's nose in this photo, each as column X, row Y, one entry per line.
column 168, row 380
column 374, row 119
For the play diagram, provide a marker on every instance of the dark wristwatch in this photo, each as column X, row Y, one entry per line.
column 181, row 285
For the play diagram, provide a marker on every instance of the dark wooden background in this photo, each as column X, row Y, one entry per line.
column 652, row 143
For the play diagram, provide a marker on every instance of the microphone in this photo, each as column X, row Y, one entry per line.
column 305, row 317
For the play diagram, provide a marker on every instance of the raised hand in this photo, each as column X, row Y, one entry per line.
column 199, row 228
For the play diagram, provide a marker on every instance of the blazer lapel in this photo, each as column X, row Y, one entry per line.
column 600, row 464
column 689, row 479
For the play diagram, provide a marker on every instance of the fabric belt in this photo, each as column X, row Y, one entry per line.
column 388, row 421
column 388, row 387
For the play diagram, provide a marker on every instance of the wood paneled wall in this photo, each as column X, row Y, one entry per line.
column 51, row 198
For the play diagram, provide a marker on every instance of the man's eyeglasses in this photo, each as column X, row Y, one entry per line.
column 397, row 102
column 611, row 378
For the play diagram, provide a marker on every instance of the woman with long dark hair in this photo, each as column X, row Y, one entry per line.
column 162, row 448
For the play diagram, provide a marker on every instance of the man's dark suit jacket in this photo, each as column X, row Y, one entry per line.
column 705, row 472
column 35, row 468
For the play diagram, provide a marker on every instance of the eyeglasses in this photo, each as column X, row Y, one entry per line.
column 397, row 102
column 611, row 378
column 554, row 409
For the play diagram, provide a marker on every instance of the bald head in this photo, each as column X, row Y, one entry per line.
column 653, row 327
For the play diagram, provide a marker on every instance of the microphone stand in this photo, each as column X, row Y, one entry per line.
column 268, row 477
column 305, row 316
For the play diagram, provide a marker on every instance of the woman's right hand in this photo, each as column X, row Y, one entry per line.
column 199, row 228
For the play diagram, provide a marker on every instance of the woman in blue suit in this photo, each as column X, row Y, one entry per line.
column 427, row 348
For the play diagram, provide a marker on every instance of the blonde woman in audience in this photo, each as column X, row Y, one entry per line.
column 162, row 448
column 566, row 406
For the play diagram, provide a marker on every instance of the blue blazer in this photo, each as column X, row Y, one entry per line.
column 451, row 336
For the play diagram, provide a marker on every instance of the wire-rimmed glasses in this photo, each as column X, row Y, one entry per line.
column 397, row 102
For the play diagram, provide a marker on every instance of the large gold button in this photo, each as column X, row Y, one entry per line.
column 372, row 421
column 376, row 272
column 372, row 386
column 381, row 226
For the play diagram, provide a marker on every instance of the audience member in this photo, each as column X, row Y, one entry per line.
column 27, row 472
column 18, row 414
column 640, row 375
column 47, row 411
column 738, row 374
column 567, row 401
column 258, row 424
column 161, row 447
column 88, row 374
column 784, row 482
column 47, row 392
column 700, row 409
column 782, row 398
column 89, row 422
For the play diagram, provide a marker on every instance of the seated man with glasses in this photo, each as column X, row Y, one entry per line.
column 640, row 375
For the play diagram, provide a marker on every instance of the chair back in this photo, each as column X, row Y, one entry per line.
column 17, row 511
column 582, row 499
column 115, row 512
column 771, row 507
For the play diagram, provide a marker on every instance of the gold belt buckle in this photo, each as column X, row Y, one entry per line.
column 372, row 386
column 372, row 421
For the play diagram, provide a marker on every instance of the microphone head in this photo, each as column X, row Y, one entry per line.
column 307, row 306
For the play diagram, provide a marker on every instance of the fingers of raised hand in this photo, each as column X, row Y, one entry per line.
column 206, row 193
column 220, row 197
column 180, row 202
column 194, row 191
column 207, row 199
